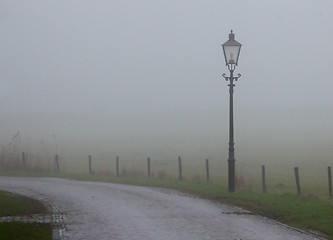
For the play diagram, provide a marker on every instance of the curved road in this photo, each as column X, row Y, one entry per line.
column 93, row 210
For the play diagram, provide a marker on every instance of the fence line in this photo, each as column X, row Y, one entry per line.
column 248, row 174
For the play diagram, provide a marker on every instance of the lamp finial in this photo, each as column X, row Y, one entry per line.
column 231, row 35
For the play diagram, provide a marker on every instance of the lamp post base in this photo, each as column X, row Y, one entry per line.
column 231, row 175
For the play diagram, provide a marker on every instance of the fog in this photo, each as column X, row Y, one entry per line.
column 143, row 78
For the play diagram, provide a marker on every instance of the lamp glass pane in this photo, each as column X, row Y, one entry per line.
column 231, row 54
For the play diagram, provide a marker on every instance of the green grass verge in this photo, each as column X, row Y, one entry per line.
column 17, row 205
column 25, row 231
column 306, row 213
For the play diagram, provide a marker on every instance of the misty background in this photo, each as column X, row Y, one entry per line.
column 143, row 78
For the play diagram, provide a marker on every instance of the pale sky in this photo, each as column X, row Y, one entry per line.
column 145, row 77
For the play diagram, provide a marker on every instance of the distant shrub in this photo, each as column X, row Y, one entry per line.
column 279, row 185
column 103, row 172
column 161, row 174
column 131, row 173
column 12, row 161
column 196, row 178
column 313, row 196
column 241, row 183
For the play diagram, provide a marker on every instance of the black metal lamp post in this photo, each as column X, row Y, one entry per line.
column 231, row 50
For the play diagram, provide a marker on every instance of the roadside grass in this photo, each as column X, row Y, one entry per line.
column 17, row 205
column 311, row 214
column 25, row 231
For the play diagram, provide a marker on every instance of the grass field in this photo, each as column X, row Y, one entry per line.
column 16, row 205
column 25, row 231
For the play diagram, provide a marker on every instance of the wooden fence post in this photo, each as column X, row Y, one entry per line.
column 207, row 170
column 298, row 185
column 24, row 161
column 56, row 159
column 117, row 166
column 264, row 189
column 180, row 177
column 148, row 166
column 329, row 182
column 90, row 171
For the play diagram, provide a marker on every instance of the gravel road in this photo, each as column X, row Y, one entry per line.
column 93, row 210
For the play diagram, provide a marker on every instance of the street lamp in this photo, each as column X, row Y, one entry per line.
column 231, row 50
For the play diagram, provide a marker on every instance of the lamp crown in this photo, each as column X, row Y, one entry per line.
column 231, row 35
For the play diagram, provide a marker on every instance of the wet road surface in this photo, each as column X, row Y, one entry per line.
column 93, row 210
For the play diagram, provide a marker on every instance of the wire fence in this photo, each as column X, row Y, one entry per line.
column 312, row 180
